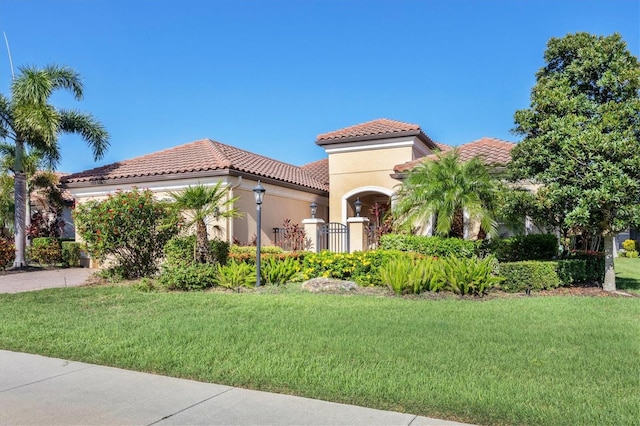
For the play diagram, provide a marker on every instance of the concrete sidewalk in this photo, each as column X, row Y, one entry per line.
column 38, row 280
column 36, row 390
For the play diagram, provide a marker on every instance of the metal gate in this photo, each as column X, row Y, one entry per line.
column 333, row 236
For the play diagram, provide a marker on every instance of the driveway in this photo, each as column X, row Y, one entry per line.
column 16, row 282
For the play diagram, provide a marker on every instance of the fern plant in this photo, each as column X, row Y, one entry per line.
column 406, row 275
column 469, row 276
column 235, row 275
column 280, row 271
column 395, row 274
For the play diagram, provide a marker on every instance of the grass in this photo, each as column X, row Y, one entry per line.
column 627, row 274
column 520, row 360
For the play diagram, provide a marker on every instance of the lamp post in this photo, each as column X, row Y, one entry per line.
column 358, row 205
column 314, row 209
column 258, row 193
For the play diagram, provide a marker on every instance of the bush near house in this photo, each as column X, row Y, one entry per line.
column 572, row 271
column 529, row 275
column 543, row 275
column 360, row 267
column 129, row 228
column 71, row 253
column 629, row 245
column 594, row 264
column 522, row 247
column 194, row 276
column 7, row 253
column 631, row 248
column 181, row 250
column 45, row 251
column 429, row 246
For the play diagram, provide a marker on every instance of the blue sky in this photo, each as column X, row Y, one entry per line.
column 269, row 76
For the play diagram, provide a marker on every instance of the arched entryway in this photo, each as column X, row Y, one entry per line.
column 376, row 202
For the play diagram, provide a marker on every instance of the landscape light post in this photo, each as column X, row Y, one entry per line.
column 314, row 209
column 258, row 193
column 358, row 205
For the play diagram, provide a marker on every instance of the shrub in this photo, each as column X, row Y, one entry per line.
column 196, row 276
column 247, row 254
column 361, row 267
column 523, row 247
column 429, row 246
column 529, row 274
column 405, row 275
column 7, row 253
column 594, row 264
column 235, row 275
column 469, row 276
column 572, row 271
column 45, row 251
column 181, row 250
column 630, row 245
column 131, row 228
column 145, row 285
column 219, row 250
column 71, row 253
column 631, row 254
column 279, row 271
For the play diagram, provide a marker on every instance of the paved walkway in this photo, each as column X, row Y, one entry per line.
column 37, row 390
column 38, row 280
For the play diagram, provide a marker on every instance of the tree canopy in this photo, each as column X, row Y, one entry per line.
column 582, row 136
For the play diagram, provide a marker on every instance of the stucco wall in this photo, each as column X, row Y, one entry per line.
column 349, row 171
column 279, row 204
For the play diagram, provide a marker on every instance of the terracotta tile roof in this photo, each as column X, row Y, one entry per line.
column 318, row 169
column 443, row 147
column 492, row 151
column 380, row 128
column 200, row 156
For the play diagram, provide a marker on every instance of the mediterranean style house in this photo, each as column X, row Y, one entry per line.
column 365, row 163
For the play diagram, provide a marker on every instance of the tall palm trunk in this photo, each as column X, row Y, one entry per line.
column 202, row 243
column 20, row 189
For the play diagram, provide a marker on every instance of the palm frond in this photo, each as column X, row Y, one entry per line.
column 35, row 85
column 90, row 129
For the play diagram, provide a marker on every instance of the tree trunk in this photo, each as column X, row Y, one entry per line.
column 203, row 254
column 609, row 283
column 20, row 190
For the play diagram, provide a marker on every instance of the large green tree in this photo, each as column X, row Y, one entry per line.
column 27, row 119
column 582, row 136
column 447, row 188
column 201, row 203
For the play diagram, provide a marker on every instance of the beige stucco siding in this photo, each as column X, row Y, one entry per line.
column 349, row 171
column 279, row 204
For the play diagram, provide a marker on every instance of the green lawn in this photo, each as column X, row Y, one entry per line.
column 627, row 274
column 519, row 360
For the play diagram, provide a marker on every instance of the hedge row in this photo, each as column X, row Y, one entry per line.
column 544, row 275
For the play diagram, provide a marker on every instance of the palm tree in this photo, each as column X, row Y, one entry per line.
column 41, row 181
column 199, row 203
column 29, row 120
column 447, row 188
